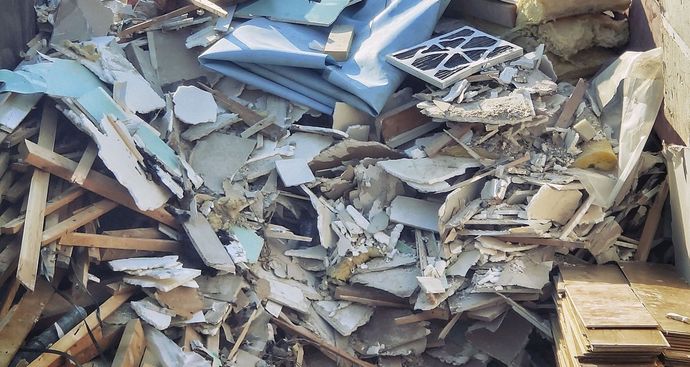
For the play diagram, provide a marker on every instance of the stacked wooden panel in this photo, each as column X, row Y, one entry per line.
column 602, row 322
column 662, row 291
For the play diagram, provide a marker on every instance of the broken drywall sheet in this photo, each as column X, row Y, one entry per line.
column 345, row 317
column 209, row 158
column 152, row 145
column 554, row 205
column 81, row 20
column 194, row 106
column 250, row 241
column 352, row 150
column 307, row 146
column 55, row 77
column 294, row 172
column 401, row 281
column 509, row 110
column 428, row 171
column 415, row 213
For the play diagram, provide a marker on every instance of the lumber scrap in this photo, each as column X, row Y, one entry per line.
column 23, row 320
column 119, row 243
column 85, row 164
column 61, row 200
column 128, row 32
column 88, row 214
column 36, row 204
column 73, row 336
column 95, row 182
column 132, row 345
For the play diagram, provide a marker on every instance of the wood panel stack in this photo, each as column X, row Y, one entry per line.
column 601, row 321
column 662, row 291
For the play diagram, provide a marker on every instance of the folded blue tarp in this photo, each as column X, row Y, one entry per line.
column 276, row 57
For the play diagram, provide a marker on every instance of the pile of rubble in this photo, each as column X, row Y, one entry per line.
column 159, row 213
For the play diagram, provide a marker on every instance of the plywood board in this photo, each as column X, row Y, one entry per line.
column 609, row 305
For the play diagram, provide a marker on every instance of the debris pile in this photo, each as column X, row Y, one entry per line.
column 175, row 191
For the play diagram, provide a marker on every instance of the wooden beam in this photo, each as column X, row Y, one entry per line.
column 95, row 182
column 126, row 33
column 79, row 331
column 15, row 225
column 84, row 350
column 132, row 345
column 119, row 243
column 23, row 320
column 36, row 204
column 88, row 214
column 85, row 163
column 651, row 224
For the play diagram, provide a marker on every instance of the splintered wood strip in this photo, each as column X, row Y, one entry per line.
column 542, row 241
column 570, row 106
column 95, row 182
column 210, row 7
column 86, row 215
column 9, row 297
column 318, row 342
column 119, row 243
column 126, row 33
column 132, row 345
column 651, row 224
column 61, row 200
column 19, row 188
column 148, row 233
column 85, row 164
column 23, row 320
column 80, row 331
column 481, row 176
column 36, row 205
column 435, row 314
column 84, row 350
column 8, row 261
column 576, row 218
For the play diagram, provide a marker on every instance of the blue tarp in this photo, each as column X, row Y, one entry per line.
column 276, row 57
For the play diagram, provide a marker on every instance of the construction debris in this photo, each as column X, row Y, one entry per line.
column 175, row 192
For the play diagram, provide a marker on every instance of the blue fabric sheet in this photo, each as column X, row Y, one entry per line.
column 276, row 57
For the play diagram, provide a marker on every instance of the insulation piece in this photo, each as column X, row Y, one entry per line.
column 597, row 154
column 539, row 11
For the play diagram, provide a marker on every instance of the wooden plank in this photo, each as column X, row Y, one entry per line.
column 148, row 232
column 19, row 188
column 399, row 120
column 8, row 261
column 570, row 106
column 95, row 182
column 126, row 33
column 23, row 320
column 651, row 224
column 9, row 295
column 88, row 214
column 85, row 164
column 36, row 205
column 84, row 350
column 79, row 331
column 210, row 7
column 54, row 204
column 132, row 345
column 339, row 41
column 119, row 243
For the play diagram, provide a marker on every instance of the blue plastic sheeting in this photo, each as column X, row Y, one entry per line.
column 276, row 57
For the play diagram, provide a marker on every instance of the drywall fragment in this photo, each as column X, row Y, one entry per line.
column 183, row 301
column 199, row 131
column 324, row 218
column 133, row 92
column 209, row 158
column 141, row 263
column 523, row 272
column 554, row 205
column 415, row 213
column 294, row 172
column 431, row 284
column 207, row 244
column 508, row 110
column 345, row 317
column 382, row 336
column 152, row 313
column 494, row 191
column 507, row 74
column 427, row 171
column 597, row 154
column 250, row 241
column 504, row 338
column 14, row 108
column 81, row 20
column 288, row 295
column 171, row 60
column 183, row 277
column 308, row 146
column 194, row 106
column 585, row 129
column 401, row 281
column 463, row 263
